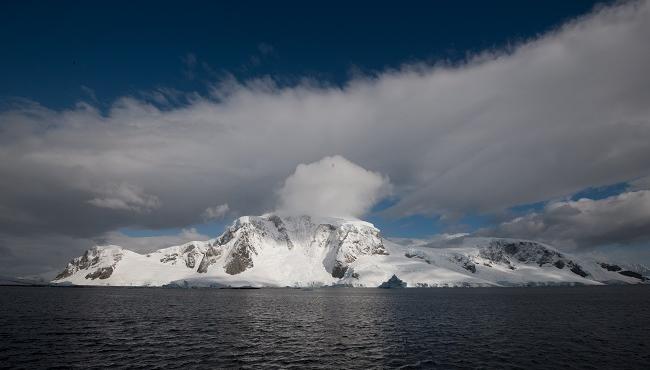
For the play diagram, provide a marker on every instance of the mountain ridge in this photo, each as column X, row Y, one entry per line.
column 303, row 251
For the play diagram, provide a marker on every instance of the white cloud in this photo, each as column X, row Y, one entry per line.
column 215, row 213
column 126, row 197
column 332, row 186
column 547, row 118
column 620, row 219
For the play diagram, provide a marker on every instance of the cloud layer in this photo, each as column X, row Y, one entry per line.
column 617, row 220
column 546, row 118
column 332, row 187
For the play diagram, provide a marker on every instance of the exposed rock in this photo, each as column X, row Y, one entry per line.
column 609, row 267
column 90, row 258
column 633, row 274
column 240, row 257
column 190, row 261
column 577, row 269
column 464, row 262
column 210, row 257
column 339, row 270
column 101, row 273
column 188, row 254
column 413, row 253
column 282, row 230
column 507, row 251
column 350, row 242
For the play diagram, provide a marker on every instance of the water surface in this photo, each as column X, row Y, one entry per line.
column 572, row 327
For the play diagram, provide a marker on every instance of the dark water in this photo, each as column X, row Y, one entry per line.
column 597, row 327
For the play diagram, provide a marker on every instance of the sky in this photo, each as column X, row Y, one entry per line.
column 151, row 124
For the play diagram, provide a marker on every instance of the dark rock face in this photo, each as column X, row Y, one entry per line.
column 393, row 282
column 464, row 262
column 189, row 254
column 577, row 269
column 169, row 258
column 279, row 224
column 339, row 270
column 101, row 273
column 240, row 257
column 79, row 263
column 227, row 236
column 609, row 267
column 89, row 259
column 350, row 243
column 190, row 261
column 211, row 256
column 504, row 251
column 418, row 255
column 633, row 274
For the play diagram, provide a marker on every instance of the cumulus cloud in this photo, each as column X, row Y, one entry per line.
column 216, row 213
column 553, row 115
column 616, row 220
column 332, row 186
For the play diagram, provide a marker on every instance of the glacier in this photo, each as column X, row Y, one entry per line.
column 305, row 251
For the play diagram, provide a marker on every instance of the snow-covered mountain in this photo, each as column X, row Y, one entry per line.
column 305, row 251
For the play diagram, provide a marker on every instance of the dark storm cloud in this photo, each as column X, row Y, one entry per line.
column 547, row 118
column 585, row 223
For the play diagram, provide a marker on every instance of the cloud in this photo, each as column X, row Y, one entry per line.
column 48, row 254
column 39, row 254
column 125, row 197
column 543, row 119
column 216, row 213
column 585, row 223
column 332, row 186
column 146, row 244
column 642, row 183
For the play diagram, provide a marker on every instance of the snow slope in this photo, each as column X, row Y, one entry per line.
column 276, row 251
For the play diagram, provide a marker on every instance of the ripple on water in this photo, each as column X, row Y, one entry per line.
column 597, row 327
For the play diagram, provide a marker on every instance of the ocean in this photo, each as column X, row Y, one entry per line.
column 332, row 328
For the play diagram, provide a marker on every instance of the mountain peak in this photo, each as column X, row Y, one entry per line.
column 274, row 250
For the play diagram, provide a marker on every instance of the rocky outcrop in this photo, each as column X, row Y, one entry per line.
column 317, row 251
column 210, row 257
column 240, row 257
column 101, row 273
column 577, row 269
column 96, row 258
column 505, row 251
column 282, row 230
column 633, row 274
column 188, row 254
column 349, row 243
column 465, row 262
column 609, row 267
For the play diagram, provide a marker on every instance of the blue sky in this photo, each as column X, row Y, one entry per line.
column 135, row 120
column 53, row 50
